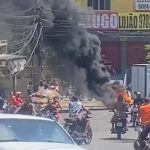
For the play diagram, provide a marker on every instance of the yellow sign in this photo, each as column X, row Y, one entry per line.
column 134, row 21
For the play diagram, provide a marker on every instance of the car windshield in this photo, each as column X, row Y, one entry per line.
column 27, row 130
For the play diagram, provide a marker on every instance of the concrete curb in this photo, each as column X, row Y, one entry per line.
column 90, row 105
column 91, row 109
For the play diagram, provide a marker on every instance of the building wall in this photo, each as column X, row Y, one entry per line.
column 136, row 53
column 111, row 51
column 115, row 5
column 122, row 5
column 82, row 3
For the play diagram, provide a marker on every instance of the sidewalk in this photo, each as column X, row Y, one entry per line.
column 91, row 105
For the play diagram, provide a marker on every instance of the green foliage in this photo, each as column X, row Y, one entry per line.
column 147, row 48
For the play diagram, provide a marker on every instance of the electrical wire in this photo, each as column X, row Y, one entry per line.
column 21, row 11
column 14, row 25
column 19, row 17
column 22, row 41
column 33, row 50
column 28, row 41
column 13, row 34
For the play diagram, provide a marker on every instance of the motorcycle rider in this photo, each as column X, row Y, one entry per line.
column 75, row 109
column 144, row 117
column 53, row 107
column 138, row 100
column 16, row 99
column 144, row 112
column 26, row 108
column 119, row 109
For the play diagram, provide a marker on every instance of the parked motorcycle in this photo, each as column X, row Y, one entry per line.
column 76, row 128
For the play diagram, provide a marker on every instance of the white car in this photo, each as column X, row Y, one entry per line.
column 22, row 132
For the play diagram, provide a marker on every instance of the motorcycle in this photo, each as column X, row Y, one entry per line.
column 134, row 116
column 142, row 144
column 48, row 114
column 119, row 126
column 51, row 115
column 76, row 128
column 9, row 109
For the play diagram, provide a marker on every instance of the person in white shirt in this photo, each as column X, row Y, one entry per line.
column 75, row 107
column 41, row 86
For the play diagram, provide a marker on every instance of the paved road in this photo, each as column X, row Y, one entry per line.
column 103, row 139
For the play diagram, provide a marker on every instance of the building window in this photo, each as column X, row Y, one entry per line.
column 99, row 4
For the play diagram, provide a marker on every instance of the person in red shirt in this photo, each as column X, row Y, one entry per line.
column 16, row 99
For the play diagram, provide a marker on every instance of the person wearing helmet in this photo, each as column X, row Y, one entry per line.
column 26, row 108
column 138, row 100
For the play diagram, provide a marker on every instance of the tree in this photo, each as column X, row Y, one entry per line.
column 147, row 48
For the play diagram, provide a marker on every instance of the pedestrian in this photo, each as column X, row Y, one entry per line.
column 41, row 86
column 29, row 88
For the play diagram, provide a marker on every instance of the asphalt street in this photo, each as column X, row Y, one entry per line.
column 102, row 137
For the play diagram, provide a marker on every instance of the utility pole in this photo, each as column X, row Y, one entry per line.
column 36, row 69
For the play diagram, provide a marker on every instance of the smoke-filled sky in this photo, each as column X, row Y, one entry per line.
column 74, row 47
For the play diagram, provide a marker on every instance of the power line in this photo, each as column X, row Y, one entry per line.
column 21, row 11
column 18, row 42
column 19, row 17
column 33, row 50
column 28, row 41
column 11, row 38
column 15, row 25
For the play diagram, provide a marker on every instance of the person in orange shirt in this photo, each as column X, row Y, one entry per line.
column 127, row 99
column 144, row 115
column 144, row 112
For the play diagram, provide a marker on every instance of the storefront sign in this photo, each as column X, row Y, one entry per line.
column 134, row 21
column 102, row 21
column 107, row 21
column 142, row 5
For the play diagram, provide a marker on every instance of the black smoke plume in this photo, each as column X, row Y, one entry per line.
column 63, row 33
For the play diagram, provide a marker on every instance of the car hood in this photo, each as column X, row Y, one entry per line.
column 37, row 146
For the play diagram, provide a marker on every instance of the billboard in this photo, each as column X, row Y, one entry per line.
column 142, row 5
column 134, row 21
